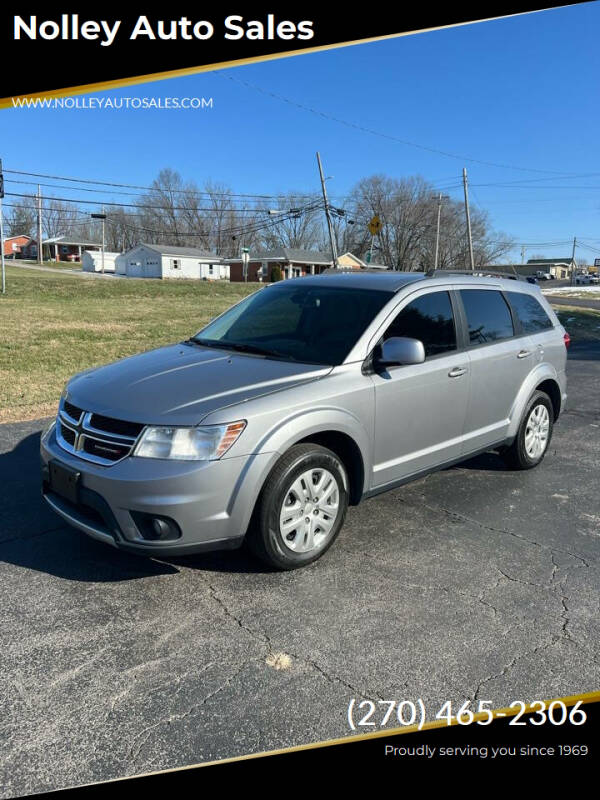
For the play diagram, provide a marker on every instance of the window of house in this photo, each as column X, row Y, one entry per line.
column 429, row 318
column 175, row 263
column 529, row 312
column 488, row 316
column 211, row 269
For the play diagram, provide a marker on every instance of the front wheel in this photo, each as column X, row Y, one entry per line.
column 301, row 509
column 534, row 434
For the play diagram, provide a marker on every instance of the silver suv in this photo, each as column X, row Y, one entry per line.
column 307, row 396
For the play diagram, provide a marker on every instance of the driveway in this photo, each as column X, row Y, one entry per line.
column 474, row 582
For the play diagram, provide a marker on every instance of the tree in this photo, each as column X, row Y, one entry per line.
column 301, row 229
column 21, row 218
column 408, row 209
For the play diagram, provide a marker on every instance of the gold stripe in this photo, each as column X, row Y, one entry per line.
column 570, row 700
column 119, row 83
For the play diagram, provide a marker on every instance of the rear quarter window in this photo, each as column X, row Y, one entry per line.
column 529, row 312
column 488, row 316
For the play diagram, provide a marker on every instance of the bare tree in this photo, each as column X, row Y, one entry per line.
column 21, row 217
column 407, row 208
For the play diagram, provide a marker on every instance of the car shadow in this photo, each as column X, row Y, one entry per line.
column 488, row 462
column 34, row 537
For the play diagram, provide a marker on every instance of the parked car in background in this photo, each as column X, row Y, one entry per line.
column 307, row 396
column 543, row 276
column 586, row 279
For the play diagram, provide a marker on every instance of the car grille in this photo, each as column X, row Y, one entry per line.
column 94, row 437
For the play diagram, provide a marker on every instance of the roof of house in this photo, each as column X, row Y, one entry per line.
column 18, row 236
column 172, row 250
column 64, row 240
column 293, row 254
column 567, row 260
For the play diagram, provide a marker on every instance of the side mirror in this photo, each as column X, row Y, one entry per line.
column 400, row 350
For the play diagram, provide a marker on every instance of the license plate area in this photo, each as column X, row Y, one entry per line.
column 64, row 481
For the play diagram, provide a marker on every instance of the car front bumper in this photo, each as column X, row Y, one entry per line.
column 211, row 502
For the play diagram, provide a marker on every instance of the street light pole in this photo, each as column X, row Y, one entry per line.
column 101, row 216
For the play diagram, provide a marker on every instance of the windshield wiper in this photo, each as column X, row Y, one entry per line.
column 241, row 347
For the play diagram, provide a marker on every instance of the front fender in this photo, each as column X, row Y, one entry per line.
column 540, row 373
column 278, row 440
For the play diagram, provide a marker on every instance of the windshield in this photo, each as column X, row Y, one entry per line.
column 311, row 324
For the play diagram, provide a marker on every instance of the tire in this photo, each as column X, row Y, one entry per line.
column 290, row 529
column 533, row 437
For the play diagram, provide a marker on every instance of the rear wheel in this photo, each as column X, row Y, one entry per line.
column 534, row 434
column 301, row 508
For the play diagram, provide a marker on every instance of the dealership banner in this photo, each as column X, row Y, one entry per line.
column 538, row 736
column 65, row 49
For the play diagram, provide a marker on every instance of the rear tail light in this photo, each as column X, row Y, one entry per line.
column 567, row 340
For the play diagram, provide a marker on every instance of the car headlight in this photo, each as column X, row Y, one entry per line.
column 202, row 443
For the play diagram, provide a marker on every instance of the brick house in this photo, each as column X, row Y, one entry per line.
column 13, row 245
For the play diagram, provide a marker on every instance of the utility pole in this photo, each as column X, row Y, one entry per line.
column 573, row 259
column 39, row 225
column 437, row 235
column 522, row 254
column 468, row 215
column 2, row 229
column 328, row 214
column 103, row 221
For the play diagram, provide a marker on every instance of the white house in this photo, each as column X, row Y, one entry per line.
column 91, row 261
column 165, row 261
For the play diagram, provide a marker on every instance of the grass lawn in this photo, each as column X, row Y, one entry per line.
column 53, row 326
column 583, row 324
column 71, row 265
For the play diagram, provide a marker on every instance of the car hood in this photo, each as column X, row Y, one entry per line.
column 181, row 384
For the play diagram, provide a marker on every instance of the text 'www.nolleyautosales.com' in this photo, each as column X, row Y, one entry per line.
column 115, row 103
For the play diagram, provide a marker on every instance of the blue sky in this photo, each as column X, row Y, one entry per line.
column 521, row 91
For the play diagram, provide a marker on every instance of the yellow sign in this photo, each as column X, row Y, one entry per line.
column 375, row 225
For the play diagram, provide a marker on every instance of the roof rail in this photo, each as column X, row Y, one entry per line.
column 478, row 272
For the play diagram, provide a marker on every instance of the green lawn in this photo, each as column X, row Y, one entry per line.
column 53, row 326
column 583, row 324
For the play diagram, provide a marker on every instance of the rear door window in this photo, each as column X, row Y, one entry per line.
column 488, row 316
column 430, row 319
column 529, row 312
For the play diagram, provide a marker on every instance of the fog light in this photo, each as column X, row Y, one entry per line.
column 157, row 529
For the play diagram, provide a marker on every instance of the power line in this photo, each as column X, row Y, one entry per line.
column 194, row 192
column 363, row 129
column 142, row 205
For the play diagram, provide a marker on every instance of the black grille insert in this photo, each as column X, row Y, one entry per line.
column 118, row 426
column 72, row 410
column 68, row 435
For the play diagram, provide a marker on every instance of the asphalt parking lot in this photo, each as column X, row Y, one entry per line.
column 475, row 582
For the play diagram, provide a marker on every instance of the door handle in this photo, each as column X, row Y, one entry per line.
column 523, row 353
column 456, row 372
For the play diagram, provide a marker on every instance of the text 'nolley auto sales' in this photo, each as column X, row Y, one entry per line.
column 69, row 27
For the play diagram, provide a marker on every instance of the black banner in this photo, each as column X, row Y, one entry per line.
column 564, row 735
column 69, row 47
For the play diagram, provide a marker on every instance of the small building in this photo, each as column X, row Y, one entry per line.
column 559, row 268
column 91, row 261
column 166, row 261
column 291, row 262
column 13, row 245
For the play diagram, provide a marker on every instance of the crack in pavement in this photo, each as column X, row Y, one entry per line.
column 464, row 518
column 261, row 636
